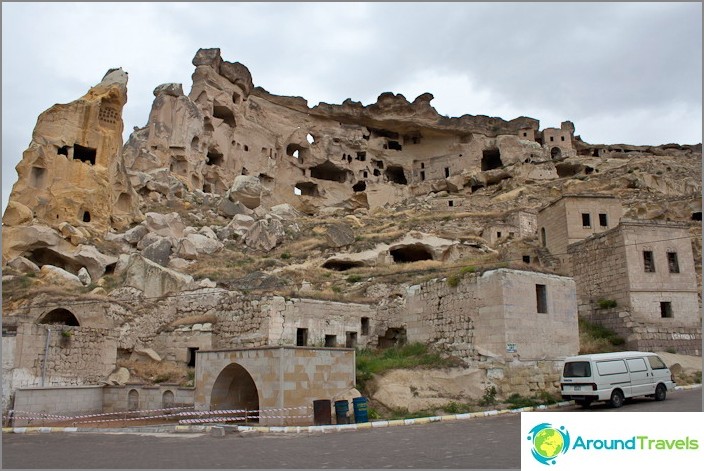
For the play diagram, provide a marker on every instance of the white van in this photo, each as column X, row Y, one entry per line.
column 613, row 377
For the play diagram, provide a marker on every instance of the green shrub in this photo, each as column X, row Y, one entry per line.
column 489, row 397
column 469, row 269
column 458, row 408
column 453, row 281
column 285, row 256
column 413, row 355
column 598, row 331
column 607, row 303
column 354, row 278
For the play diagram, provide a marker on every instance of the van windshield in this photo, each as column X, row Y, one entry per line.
column 577, row 369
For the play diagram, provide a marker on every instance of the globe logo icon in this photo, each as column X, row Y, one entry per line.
column 548, row 442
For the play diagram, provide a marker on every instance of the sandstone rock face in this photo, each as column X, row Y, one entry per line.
column 73, row 169
column 16, row 214
column 119, row 377
column 44, row 246
column 339, row 235
column 158, row 251
column 153, row 279
column 247, row 190
column 165, row 225
column 424, row 389
column 264, row 235
column 57, row 276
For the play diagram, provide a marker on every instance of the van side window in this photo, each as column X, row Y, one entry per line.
column 636, row 364
column 656, row 363
column 611, row 367
column 577, row 369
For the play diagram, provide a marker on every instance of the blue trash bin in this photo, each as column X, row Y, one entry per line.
column 341, row 409
column 361, row 414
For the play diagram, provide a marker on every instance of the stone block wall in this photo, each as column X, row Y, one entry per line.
column 163, row 396
column 283, row 378
column 441, row 314
column 174, row 345
column 600, row 270
column 321, row 318
column 84, row 355
column 77, row 400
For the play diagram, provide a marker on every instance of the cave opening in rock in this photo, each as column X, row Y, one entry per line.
column 328, row 171
column 63, row 151
column 341, row 265
column 84, row 154
column 214, row 158
column 395, row 145
column 224, row 113
column 411, row 253
column 555, row 153
column 307, row 189
column 359, row 187
column 46, row 256
column 396, row 174
column 491, row 159
column 393, row 337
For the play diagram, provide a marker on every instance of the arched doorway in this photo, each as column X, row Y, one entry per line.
column 234, row 389
column 133, row 400
column 555, row 153
column 59, row 316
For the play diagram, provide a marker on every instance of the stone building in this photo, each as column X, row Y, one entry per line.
column 572, row 218
column 647, row 270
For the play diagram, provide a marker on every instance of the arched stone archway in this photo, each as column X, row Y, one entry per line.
column 555, row 153
column 234, row 389
column 59, row 316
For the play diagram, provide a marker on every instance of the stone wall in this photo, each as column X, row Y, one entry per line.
column 273, row 379
column 322, row 319
column 163, row 396
column 495, row 315
column 610, row 266
column 83, row 355
column 563, row 224
column 77, row 400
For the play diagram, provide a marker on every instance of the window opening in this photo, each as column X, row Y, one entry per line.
column 191, row 358
column 665, row 309
column 648, row 261
column 586, row 220
column 351, row 340
column 603, row 221
column 541, row 295
column 526, row 259
column 331, row 340
column 365, row 326
column 447, row 172
column 672, row 262
column 301, row 337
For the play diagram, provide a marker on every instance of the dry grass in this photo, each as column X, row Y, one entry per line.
column 153, row 372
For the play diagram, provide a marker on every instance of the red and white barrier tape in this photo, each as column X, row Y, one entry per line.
column 263, row 413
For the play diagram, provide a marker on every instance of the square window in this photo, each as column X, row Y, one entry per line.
column 672, row 262
column 331, row 340
column 526, row 259
column 603, row 221
column 648, row 261
column 586, row 220
column 665, row 309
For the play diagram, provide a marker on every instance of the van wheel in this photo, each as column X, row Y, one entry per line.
column 660, row 392
column 617, row 399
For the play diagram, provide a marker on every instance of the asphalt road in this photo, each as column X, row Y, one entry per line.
column 489, row 442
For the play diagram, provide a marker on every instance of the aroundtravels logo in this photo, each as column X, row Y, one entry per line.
column 548, row 442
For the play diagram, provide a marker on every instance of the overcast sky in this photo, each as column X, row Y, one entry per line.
column 623, row 73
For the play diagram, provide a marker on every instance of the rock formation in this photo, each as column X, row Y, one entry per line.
column 255, row 214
